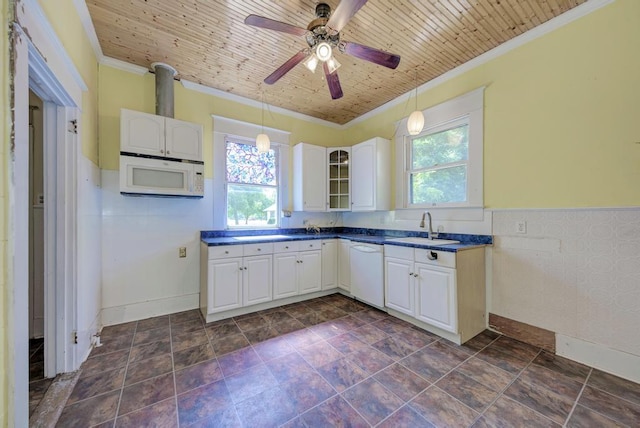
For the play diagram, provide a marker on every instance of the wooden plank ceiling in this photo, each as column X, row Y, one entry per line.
column 208, row 43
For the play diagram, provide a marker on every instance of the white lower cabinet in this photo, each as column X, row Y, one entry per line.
column 224, row 285
column 344, row 264
column 329, row 264
column 285, row 275
column 439, row 289
column 297, row 268
column 257, row 280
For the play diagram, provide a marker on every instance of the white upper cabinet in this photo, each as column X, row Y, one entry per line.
column 338, row 183
column 370, row 175
column 309, row 178
column 149, row 134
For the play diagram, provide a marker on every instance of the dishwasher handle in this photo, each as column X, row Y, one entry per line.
column 366, row 249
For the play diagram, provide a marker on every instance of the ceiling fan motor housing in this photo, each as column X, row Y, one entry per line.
column 323, row 10
column 317, row 31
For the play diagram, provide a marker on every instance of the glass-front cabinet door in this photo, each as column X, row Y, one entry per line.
column 339, row 189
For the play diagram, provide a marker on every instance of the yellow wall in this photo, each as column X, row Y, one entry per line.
column 561, row 115
column 66, row 23
column 6, row 367
column 120, row 89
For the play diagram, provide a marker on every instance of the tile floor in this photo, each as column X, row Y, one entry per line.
column 38, row 385
column 333, row 362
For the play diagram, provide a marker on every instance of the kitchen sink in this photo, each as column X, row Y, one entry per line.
column 260, row 237
column 422, row 241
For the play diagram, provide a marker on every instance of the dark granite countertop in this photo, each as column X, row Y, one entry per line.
column 370, row 236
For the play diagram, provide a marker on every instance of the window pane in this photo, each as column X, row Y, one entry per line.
column 439, row 186
column 251, row 206
column 246, row 165
column 440, row 148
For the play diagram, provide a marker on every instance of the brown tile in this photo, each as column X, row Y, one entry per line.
column 536, row 336
column 148, row 336
column 480, row 341
column 506, row 413
column 221, row 329
column 270, row 408
column 190, row 356
column 307, row 390
column 186, row 340
column 301, row 338
column 276, row 316
column 250, row 382
column 472, row 393
column 249, row 323
column 516, row 348
column 369, row 334
column 332, row 313
column 585, row 417
column 417, row 337
column 370, row 359
column 401, row 381
column 197, row 375
column 152, row 323
column 90, row 412
column 505, row 361
column 180, row 317
column 406, row 417
column 238, row 361
column 261, row 334
column 273, row 348
column 288, row 326
column 149, row 368
column 38, row 388
column 319, row 354
column 142, row 352
column 162, row 414
column 327, row 330
column 335, row 412
column 312, row 318
column 610, row 406
column 90, row 386
column 349, row 323
column 112, row 344
column 145, row 393
column 187, row 326
column 556, row 382
column 390, row 326
column 370, row 315
column 487, row 374
column 124, row 329
column 540, row 399
column 372, row 400
column 105, row 362
column 572, row 369
column 441, row 409
column 615, row 385
column 395, row 347
column 229, row 344
column 225, row 417
column 347, row 343
column 204, row 402
column 296, row 311
column 288, row 367
column 433, row 362
column 342, row 374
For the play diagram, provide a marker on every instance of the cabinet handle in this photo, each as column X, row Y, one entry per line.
column 286, row 248
column 245, row 268
column 415, row 275
column 240, row 268
column 432, row 255
column 310, row 245
column 226, row 252
column 168, row 152
column 161, row 151
column 259, row 249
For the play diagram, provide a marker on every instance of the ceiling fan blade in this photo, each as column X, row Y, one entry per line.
column 270, row 24
column 333, row 81
column 343, row 13
column 374, row 55
column 286, row 67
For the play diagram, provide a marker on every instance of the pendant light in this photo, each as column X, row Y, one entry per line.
column 262, row 140
column 415, row 123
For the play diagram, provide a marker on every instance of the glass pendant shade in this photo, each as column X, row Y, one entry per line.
column 323, row 51
column 415, row 123
column 262, row 143
column 333, row 64
column 311, row 63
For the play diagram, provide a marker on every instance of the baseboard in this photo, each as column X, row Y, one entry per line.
column 526, row 333
column 150, row 308
column 599, row 356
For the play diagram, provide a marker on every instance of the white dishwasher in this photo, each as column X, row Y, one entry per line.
column 367, row 276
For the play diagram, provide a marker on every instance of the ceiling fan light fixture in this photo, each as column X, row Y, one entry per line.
column 323, row 51
column 333, row 64
column 262, row 143
column 311, row 63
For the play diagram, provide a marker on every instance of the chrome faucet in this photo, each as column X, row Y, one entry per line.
column 430, row 234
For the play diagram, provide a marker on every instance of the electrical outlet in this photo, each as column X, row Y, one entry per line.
column 521, row 226
column 182, row 252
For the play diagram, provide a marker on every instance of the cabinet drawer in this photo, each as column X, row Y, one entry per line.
column 285, row 247
column 309, row 245
column 441, row 258
column 398, row 252
column 225, row 251
column 257, row 249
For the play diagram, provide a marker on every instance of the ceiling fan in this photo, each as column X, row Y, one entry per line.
column 323, row 35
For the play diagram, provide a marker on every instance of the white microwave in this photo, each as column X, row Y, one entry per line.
column 141, row 176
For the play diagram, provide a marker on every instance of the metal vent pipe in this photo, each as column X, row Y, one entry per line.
column 164, row 88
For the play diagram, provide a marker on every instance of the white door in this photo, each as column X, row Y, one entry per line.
column 399, row 285
column 344, row 267
column 285, row 281
column 183, row 139
column 224, row 284
column 309, row 271
column 329, row 264
column 257, row 280
column 141, row 133
column 436, row 296
column 363, row 178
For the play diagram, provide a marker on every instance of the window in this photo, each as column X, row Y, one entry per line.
column 251, row 185
column 442, row 166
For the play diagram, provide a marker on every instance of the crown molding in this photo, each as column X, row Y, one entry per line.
column 124, row 66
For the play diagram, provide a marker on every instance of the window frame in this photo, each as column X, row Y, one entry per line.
column 467, row 108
